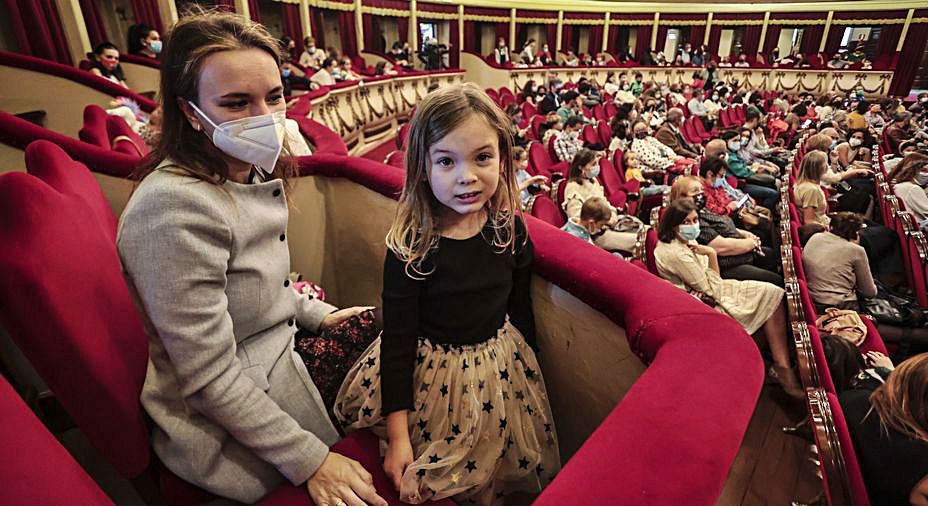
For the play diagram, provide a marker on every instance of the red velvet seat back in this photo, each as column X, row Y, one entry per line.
column 609, row 178
column 821, row 362
column 537, row 120
column 539, row 160
column 547, row 211
column 552, row 154
column 619, row 164
column 401, row 138
column 396, row 159
column 589, row 135
column 94, row 129
column 528, row 110
column 123, row 139
column 605, row 133
column 650, row 243
column 65, row 302
column 34, row 467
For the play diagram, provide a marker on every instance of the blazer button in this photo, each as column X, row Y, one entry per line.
column 277, row 193
column 290, row 322
column 286, row 283
column 282, row 237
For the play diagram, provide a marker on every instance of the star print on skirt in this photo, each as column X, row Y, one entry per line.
column 481, row 427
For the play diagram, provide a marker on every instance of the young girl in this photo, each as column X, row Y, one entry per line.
column 582, row 185
column 451, row 385
column 633, row 171
column 528, row 184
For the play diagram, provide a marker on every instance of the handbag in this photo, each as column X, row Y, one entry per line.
column 891, row 309
column 844, row 323
column 754, row 216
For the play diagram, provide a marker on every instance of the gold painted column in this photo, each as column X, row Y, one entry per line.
column 657, row 18
column 358, row 25
column 606, row 33
column 821, row 45
column 512, row 31
column 905, row 29
column 241, row 7
column 413, row 26
column 560, row 28
column 763, row 35
column 460, row 47
column 304, row 18
column 705, row 37
column 168, row 11
column 75, row 30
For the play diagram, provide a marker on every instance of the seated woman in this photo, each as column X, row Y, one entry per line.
column 655, row 155
column 144, row 41
column 836, row 265
column 582, row 185
column 741, row 254
column 855, row 151
column 909, row 179
column 104, row 62
column 695, row 268
column 203, row 245
column 888, row 422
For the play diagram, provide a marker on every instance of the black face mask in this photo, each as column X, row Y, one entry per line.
column 641, row 135
column 700, row 201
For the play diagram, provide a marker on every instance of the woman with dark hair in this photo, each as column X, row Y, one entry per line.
column 888, row 422
column 203, row 245
column 856, row 151
column 756, row 305
column 104, row 62
column 836, row 265
column 144, row 41
column 910, row 178
column 529, row 91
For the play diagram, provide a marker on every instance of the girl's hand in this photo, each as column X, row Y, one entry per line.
column 399, row 456
column 539, row 180
column 877, row 359
column 341, row 315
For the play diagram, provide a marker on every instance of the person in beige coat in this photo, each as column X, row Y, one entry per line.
column 204, row 249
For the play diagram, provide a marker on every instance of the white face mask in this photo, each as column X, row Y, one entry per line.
column 255, row 139
column 854, row 142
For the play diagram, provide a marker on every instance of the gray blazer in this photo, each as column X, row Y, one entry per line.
column 234, row 409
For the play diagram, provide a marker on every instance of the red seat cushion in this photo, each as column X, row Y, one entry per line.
column 855, row 477
column 362, row 446
column 65, row 302
column 547, row 211
column 396, row 159
column 34, row 467
column 94, row 129
column 123, row 139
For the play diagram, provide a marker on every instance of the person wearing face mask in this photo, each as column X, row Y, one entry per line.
column 203, row 245
column 312, row 56
column 910, row 180
column 669, row 134
column 104, row 62
column 899, row 131
column 756, row 305
column 595, row 218
column 855, row 151
column 875, row 118
column 582, row 184
column 568, row 142
column 288, row 79
column 637, row 87
column 655, row 155
column 144, row 41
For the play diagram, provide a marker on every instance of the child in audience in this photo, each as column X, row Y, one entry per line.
column 528, row 184
column 552, row 127
column 756, row 305
column 595, row 218
column 633, row 171
column 582, row 184
column 452, row 385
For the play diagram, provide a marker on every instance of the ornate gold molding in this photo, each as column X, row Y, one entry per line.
column 382, row 11
column 681, row 22
column 586, row 22
column 793, row 22
column 536, row 21
column 326, row 4
column 737, row 22
column 487, row 19
column 631, row 22
column 438, row 15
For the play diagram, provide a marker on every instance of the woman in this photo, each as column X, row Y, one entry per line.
column 695, row 268
column 909, row 179
column 528, row 52
column 501, row 52
column 808, row 193
column 855, row 150
column 889, row 429
column 144, row 41
column 104, row 62
column 203, row 245
column 836, row 265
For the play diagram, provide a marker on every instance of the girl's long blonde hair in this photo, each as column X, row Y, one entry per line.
column 416, row 229
column 902, row 402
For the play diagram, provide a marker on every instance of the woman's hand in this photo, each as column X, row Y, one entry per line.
column 341, row 315
column 399, row 456
column 700, row 249
column 877, row 359
column 340, row 481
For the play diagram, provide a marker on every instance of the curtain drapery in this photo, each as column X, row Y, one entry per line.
column 644, row 40
column 454, row 51
column 315, row 24
column 292, row 26
column 595, row 45
column 811, row 38
column 96, row 30
column 772, row 39
column 346, row 33
column 751, row 40
column 38, row 29
column 146, row 11
column 909, row 58
column 253, row 11
column 226, row 5
column 697, row 34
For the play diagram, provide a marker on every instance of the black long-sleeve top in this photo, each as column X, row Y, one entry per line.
column 469, row 288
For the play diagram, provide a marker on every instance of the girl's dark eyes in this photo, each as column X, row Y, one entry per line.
column 445, row 161
column 484, row 157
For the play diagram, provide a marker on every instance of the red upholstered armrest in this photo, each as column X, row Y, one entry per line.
column 72, row 74
column 34, row 467
column 324, row 139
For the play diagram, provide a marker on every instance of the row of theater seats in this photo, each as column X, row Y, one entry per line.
column 841, row 475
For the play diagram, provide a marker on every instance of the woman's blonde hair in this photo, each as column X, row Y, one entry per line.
column 415, row 230
column 681, row 187
column 902, row 402
column 199, row 34
column 813, row 167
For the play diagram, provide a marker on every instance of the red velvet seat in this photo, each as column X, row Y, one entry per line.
column 34, row 467
column 589, row 135
column 123, row 139
column 605, row 133
column 616, row 192
column 855, row 478
column 547, row 211
column 552, row 154
column 396, row 159
column 600, row 114
column 528, row 110
column 323, row 139
column 94, row 129
column 539, row 162
column 536, row 122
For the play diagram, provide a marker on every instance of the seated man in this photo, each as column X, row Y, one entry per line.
column 669, row 134
column 568, row 140
column 288, row 79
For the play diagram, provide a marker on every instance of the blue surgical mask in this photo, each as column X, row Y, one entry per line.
column 718, row 182
column 834, row 144
column 689, row 232
column 921, row 179
column 155, row 46
column 734, row 146
column 594, row 172
column 285, row 73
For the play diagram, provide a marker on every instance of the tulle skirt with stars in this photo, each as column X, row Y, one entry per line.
column 481, row 428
